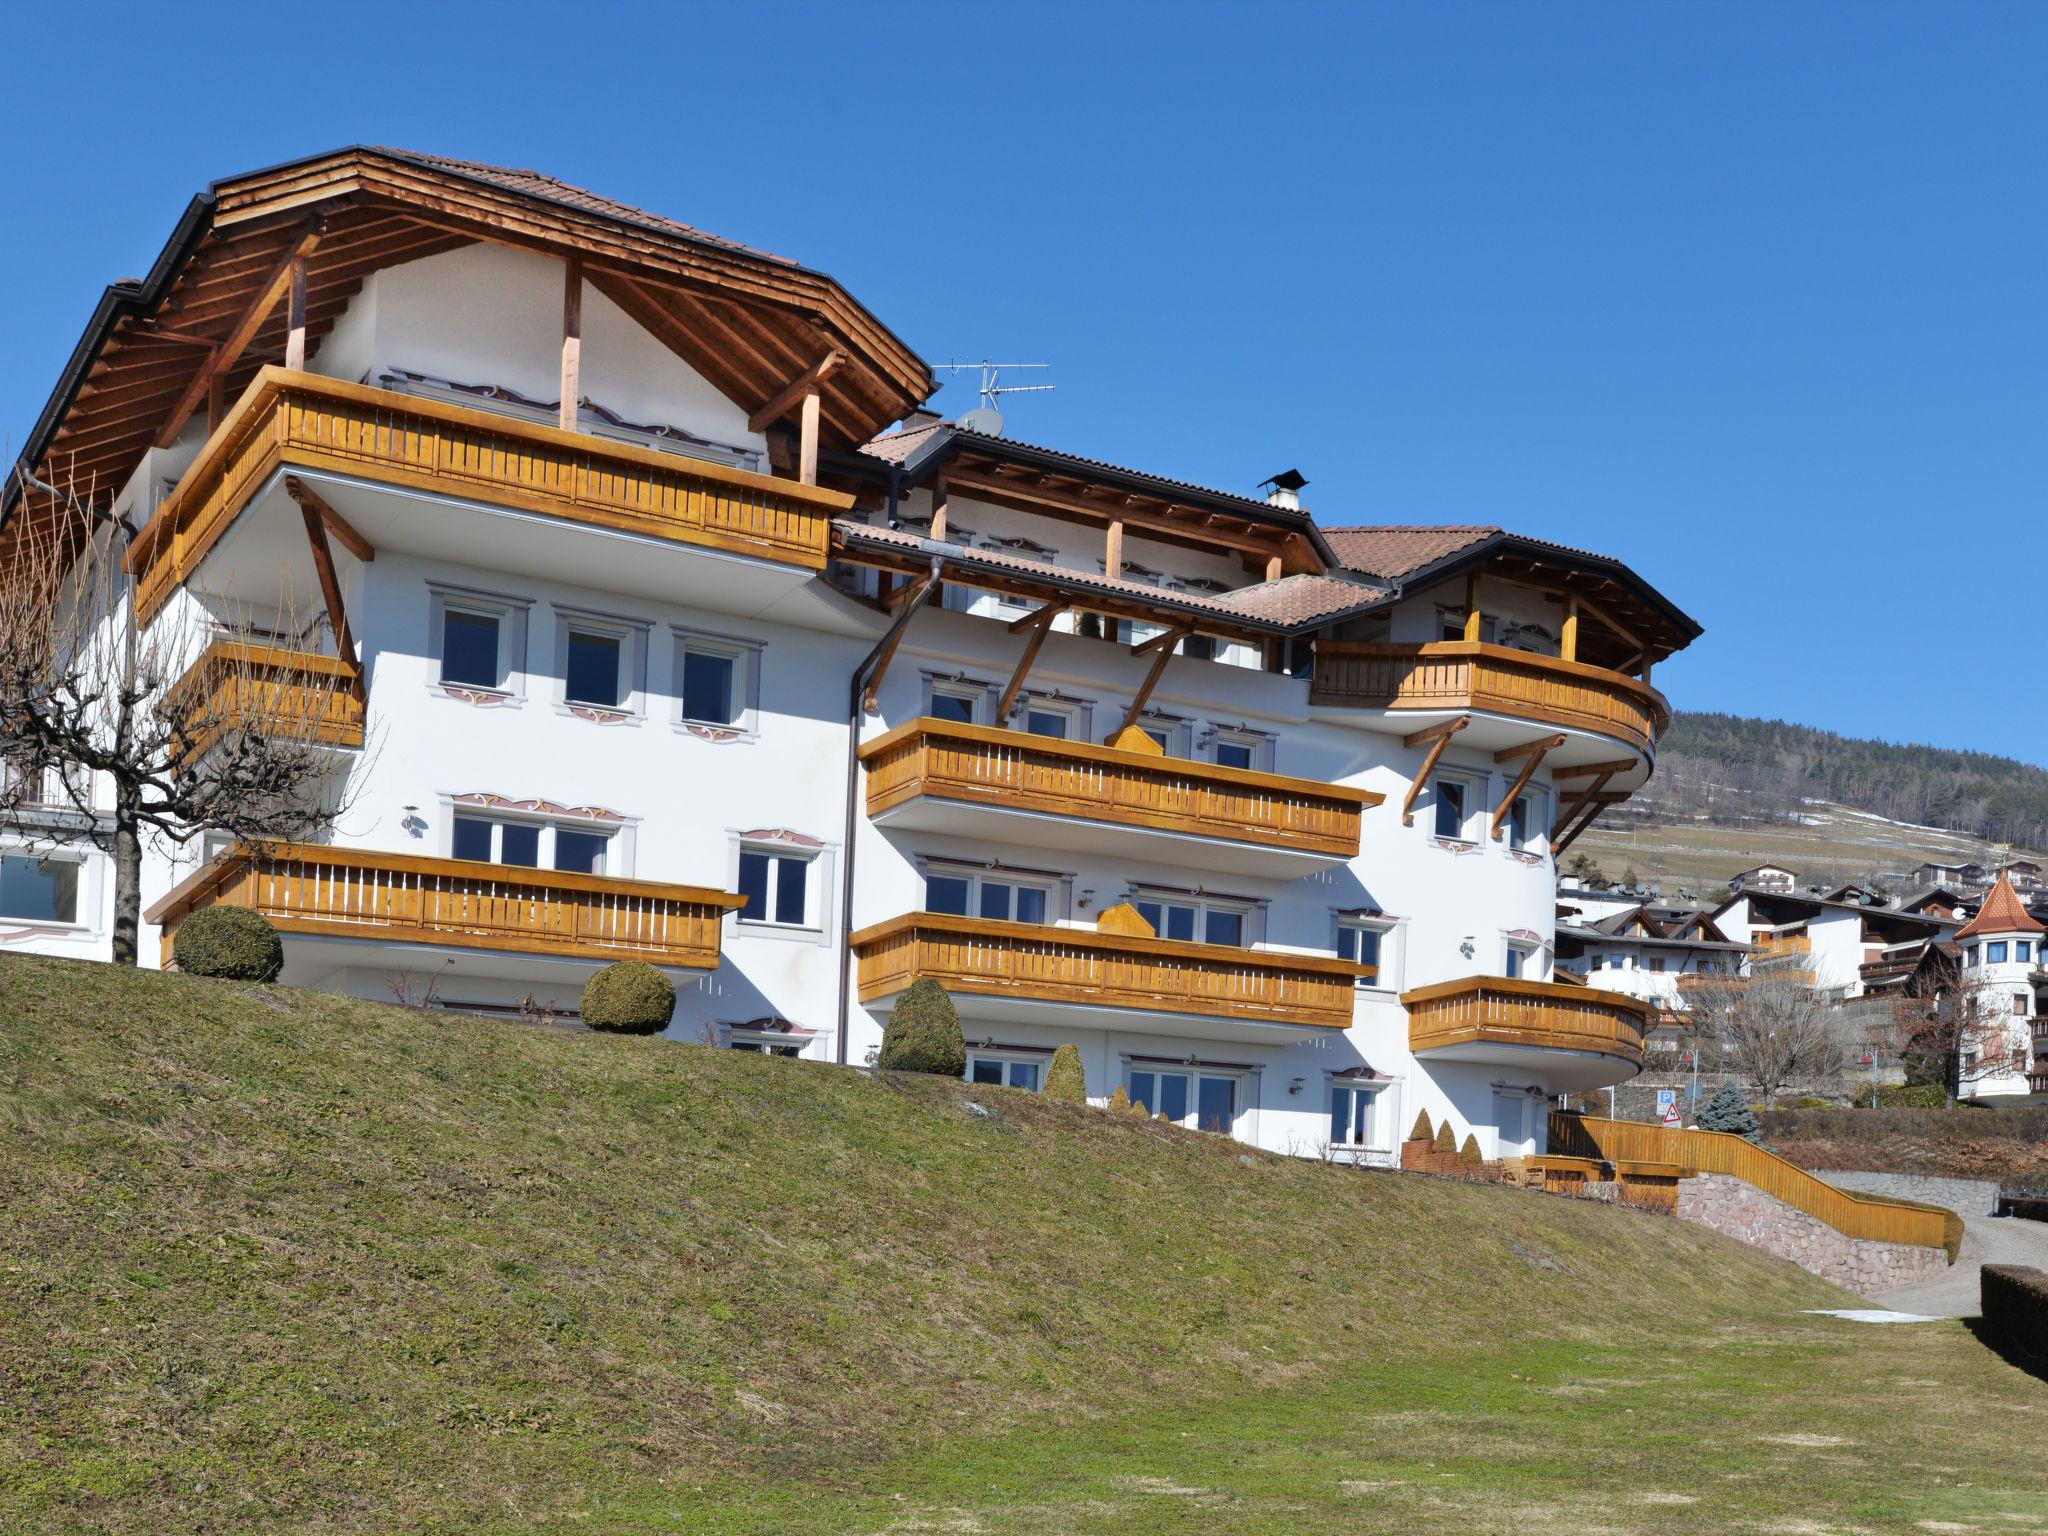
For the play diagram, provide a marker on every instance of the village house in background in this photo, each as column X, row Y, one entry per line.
column 657, row 618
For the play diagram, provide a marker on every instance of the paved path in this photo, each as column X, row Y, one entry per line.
column 1986, row 1240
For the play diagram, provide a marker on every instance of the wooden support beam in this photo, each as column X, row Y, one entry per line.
column 1144, row 693
column 1042, row 620
column 160, row 333
column 924, row 587
column 1166, row 639
column 803, row 384
column 339, row 528
column 247, row 324
column 1045, row 613
column 1534, row 753
column 1592, row 812
column 572, row 343
column 1438, row 737
column 330, row 584
column 216, row 403
column 1593, row 791
column 1113, row 550
column 1595, row 770
column 1472, row 606
column 1568, row 641
column 1272, row 567
column 940, row 508
column 295, row 317
column 1539, row 746
column 807, row 439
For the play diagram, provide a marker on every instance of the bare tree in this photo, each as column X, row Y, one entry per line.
column 112, row 731
column 1772, row 1028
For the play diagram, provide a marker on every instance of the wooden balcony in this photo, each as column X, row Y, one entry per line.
column 1514, row 1022
column 961, row 772
column 353, row 893
column 303, row 421
column 1460, row 675
column 298, row 695
column 1156, row 985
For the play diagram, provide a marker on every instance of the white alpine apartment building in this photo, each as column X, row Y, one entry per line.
column 657, row 620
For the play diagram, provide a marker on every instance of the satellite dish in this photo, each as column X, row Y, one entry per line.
column 985, row 419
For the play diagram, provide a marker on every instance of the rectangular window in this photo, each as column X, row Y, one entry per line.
column 519, row 843
column 1970, row 955
column 1525, row 820
column 1047, row 722
column 580, row 853
column 1353, row 1116
column 529, row 844
column 39, row 890
column 1205, row 1101
column 473, row 839
column 1656, row 965
column 1233, row 754
column 1005, row 1071
column 1450, row 808
column 952, row 706
column 1520, row 960
column 2023, row 950
column 593, row 671
column 1196, row 921
column 1005, row 899
column 776, row 887
column 711, row 693
column 2019, row 1005
column 470, row 648
column 1994, row 952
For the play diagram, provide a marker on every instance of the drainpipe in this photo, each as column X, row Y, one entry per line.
column 854, row 715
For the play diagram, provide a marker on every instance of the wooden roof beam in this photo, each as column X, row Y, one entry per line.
column 796, row 389
column 230, row 350
column 1041, row 626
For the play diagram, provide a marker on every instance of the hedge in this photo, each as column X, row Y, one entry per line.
column 231, row 943
column 2015, row 1303
column 629, row 997
column 923, row 1033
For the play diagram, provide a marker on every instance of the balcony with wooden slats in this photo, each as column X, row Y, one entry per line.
column 406, row 443
column 1453, row 677
column 1569, row 1038
column 971, row 780
column 395, row 898
column 1041, row 973
column 300, row 696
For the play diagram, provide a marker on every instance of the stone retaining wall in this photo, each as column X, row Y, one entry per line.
column 1740, row 1210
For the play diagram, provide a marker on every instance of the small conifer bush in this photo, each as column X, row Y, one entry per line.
column 1727, row 1110
column 1469, row 1153
column 629, row 997
column 1119, row 1100
column 1066, row 1079
column 232, row 943
column 923, row 1033
column 1423, row 1130
column 1445, row 1141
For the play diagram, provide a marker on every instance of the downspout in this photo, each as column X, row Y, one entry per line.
column 854, row 715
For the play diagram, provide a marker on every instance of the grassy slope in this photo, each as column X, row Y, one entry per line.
column 276, row 1261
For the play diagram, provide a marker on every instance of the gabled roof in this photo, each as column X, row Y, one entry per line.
column 1392, row 551
column 2002, row 912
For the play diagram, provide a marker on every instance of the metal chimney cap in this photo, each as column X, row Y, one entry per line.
column 1287, row 480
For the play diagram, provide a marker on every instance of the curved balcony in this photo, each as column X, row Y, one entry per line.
column 1571, row 1037
column 408, row 445
column 236, row 685
column 1033, row 972
column 1453, row 677
column 972, row 780
column 396, row 898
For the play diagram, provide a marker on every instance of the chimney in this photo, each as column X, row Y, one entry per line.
column 1284, row 490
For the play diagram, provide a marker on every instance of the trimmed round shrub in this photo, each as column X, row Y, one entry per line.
column 923, row 1033
column 629, row 997
column 232, row 943
column 1422, row 1129
column 1066, row 1079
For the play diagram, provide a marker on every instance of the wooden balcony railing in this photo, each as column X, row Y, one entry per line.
column 969, row 955
column 979, row 765
column 1884, row 1219
column 301, row 420
column 1495, row 679
column 1497, row 1010
column 1779, row 946
column 352, row 893
column 298, row 695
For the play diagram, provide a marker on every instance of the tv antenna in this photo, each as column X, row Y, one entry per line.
column 985, row 418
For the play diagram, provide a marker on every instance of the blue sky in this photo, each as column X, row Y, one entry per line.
column 1749, row 296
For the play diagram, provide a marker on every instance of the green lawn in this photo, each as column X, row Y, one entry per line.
column 272, row 1261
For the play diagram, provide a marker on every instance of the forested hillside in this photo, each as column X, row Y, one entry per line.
column 1733, row 770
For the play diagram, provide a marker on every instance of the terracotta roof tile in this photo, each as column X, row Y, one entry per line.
column 531, row 183
column 1393, row 551
column 2002, row 912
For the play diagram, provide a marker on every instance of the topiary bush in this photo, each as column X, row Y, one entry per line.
column 1066, row 1079
column 1727, row 1110
column 1445, row 1141
column 1469, row 1153
column 1422, row 1129
column 629, row 997
column 1119, row 1100
column 231, row 943
column 923, row 1033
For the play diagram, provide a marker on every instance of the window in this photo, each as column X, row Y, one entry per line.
column 39, row 889
column 1241, row 749
column 529, row 844
column 1370, row 941
column 718, row 684
column 1525, row 819
column 776, row 885
column 1450, row 808
column 1354, row 1116
column 1521, row 960
column 1005, row 1071
column 1169, row 731
column 1657, row 964
column 1043, row 721
column 957, row 702
column 1970, row 955
column 1994, row 952
column 1204, row 1101
column 1061, row 719
column 593, row 671
column 1004, row 897
column 2023, row 950
column 1196, row 919
column 471, row 648
column 2019, row 1005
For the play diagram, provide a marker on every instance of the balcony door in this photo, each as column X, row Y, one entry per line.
column 1202, row 1101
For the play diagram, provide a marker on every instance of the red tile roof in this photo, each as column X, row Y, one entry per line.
column 1393, row 551
column 2002, row 912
